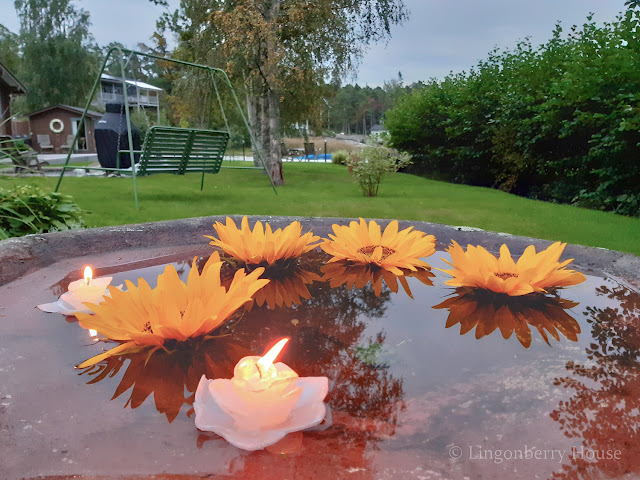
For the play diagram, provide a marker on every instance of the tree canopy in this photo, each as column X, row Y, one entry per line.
column 58, row 56
column 9, row 49
column 281, row 52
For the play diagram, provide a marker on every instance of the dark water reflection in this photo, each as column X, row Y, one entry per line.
column 325, row 331
column 167, row 375
column 488, row 312
column 603, row 411
column 406, row 386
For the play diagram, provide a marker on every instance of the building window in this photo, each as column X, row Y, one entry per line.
column 82, row 138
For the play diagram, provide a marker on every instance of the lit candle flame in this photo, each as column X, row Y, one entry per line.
column 88, row 275
column 93, row 333
column 266, row 361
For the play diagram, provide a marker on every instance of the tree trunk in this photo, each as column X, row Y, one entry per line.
column 264, row 131
column 254, row 118
column 275, row 153
column 271, row 100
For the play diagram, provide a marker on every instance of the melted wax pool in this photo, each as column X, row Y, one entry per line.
column 415, row 391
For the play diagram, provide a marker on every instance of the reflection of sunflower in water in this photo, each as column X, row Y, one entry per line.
column 286, row 288
column 262, row 246
column 358, row 275
column 167, row 375
column 487, row 311
column 391, row 250
column 172, row 311
column 534, row 272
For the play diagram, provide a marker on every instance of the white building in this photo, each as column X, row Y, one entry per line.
column 139, row 94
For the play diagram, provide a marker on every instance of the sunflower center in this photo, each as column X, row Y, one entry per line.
column 504, row 276
column 369, row 249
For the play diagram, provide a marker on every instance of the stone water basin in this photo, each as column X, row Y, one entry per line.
column 416, row 392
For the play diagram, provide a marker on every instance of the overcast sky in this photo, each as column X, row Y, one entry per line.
column 440, row 35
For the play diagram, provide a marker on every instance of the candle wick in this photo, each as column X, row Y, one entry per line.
column 259, row 370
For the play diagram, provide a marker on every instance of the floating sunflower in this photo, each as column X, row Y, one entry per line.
column 488, row 311
column 142, row 316
column 534, row 272
column 358, row 275
column 392, row 250
column 262, row 246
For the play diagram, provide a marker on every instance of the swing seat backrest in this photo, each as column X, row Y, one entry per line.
column 182, row 150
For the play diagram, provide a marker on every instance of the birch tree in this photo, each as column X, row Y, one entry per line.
column 284, row 49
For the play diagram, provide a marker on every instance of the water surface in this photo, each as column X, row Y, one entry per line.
column 415, row 391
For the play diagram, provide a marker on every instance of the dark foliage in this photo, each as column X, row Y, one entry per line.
column 560, row 122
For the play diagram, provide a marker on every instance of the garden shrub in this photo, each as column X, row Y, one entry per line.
column 339, row 157
column 28, row 209
column 560, row 122
column 372, row 163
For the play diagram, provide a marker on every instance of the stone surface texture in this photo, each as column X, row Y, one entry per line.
column 19, row 256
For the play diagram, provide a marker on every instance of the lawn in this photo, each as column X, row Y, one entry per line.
column 314, row 189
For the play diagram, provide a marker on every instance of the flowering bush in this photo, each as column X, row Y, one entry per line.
column 374, row 162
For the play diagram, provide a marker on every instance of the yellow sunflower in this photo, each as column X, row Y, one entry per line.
column 488, row 312
column 391, row 250
column 534, row 272
column 141, row 316
column 359, row 275
column 262, row 245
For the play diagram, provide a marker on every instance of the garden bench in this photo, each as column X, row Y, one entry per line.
column 65, row 147
column 309, row 150
column 285, row 152
column 24, row 160
column 167, row 149
column 181, row 150
column 44, row 141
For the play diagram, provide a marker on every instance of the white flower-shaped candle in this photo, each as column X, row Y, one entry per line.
column 262, row 403
column 87, row 289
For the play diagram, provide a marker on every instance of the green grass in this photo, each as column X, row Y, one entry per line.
column 77, row 164
column 327, row 190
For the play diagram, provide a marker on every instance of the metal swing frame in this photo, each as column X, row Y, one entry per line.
column 213, row 72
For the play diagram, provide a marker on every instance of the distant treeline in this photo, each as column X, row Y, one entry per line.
column 354, row 109
column 559, row 122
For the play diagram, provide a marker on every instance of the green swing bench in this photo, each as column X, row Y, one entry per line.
column 171, row 149
column 181, row 150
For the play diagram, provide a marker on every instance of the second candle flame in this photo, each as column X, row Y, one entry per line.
column 88, row 275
